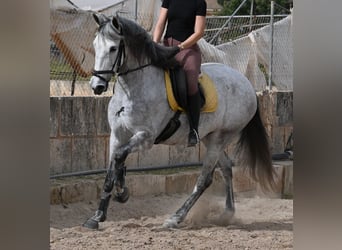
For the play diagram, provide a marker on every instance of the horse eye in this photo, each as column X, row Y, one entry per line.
column 112, row 49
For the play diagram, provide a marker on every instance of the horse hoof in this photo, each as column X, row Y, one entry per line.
column 228, row 214
column 170, row 223
column 226, row 218
column 91, row 224
column 122, row 197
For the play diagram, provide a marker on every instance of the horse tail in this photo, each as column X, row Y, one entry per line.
column 253, row 142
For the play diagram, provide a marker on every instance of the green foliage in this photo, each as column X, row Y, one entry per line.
column 221, row 2
column 261, row 7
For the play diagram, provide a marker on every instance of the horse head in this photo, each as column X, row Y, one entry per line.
column 108, row 51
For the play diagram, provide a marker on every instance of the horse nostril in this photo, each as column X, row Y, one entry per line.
column 98, row 90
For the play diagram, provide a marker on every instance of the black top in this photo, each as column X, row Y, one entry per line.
column 181, row 17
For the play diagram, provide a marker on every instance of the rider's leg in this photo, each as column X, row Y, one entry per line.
column 192, row 64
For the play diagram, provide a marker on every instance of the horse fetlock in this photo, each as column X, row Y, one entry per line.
column 121, row 195
column 100, row 216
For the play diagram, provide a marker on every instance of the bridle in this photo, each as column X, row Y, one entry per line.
column 116, row 68
column 116, row 65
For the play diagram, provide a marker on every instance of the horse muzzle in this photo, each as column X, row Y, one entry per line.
column 98, row 85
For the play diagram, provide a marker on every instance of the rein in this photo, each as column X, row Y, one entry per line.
column 135, row 69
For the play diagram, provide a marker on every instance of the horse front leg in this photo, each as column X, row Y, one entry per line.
column 115, row 178
column 139, row 141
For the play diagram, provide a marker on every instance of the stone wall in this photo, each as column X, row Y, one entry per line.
column 79, row 134
column 276, row 109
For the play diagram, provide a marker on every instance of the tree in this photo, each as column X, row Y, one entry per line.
column 260, row 7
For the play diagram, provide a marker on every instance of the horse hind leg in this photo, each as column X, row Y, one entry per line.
column 215, row 146
column 203, row 182
column 225, row 164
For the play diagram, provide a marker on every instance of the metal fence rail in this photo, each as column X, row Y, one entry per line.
column 237, row 27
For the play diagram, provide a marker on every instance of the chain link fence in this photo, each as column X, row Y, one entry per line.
column 242, row 43
column 237, row 27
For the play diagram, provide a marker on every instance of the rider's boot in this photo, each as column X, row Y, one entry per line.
column 193, row 112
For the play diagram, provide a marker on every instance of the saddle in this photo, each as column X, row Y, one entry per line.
column 176, row 91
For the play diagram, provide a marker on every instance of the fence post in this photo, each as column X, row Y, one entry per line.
column 136, row 10
column 251, row 16
column 271, row 48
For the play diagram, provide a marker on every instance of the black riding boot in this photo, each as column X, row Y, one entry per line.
column 194, row 106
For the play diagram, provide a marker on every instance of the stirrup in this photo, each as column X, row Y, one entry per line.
column 193, row 138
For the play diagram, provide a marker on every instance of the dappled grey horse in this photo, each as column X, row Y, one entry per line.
column 138, row 112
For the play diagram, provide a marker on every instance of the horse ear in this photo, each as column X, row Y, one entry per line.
column 116, row 24
column 100, row 18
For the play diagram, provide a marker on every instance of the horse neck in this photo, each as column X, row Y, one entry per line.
column 134, row 82
column 131, row 63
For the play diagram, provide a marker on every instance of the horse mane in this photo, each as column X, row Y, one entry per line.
column 142, row 46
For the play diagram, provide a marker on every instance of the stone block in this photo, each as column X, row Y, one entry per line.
column 284, row 108
column 266, row 102
column 132, row 160
column 241, row 180
column 278, row 140
column 156, row 156
column 140, row 185
column 88, row 153
column 78, row 116
column 78, row 191
column 60, row 155
column 288, row 131
column 99, row 184
column 54, row 116
column 180, row 183
column 288, row 182
column 55, row 196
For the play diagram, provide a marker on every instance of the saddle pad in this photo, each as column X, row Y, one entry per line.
column 209, row 91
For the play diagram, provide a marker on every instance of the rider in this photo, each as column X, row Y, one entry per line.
column 185, row 26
